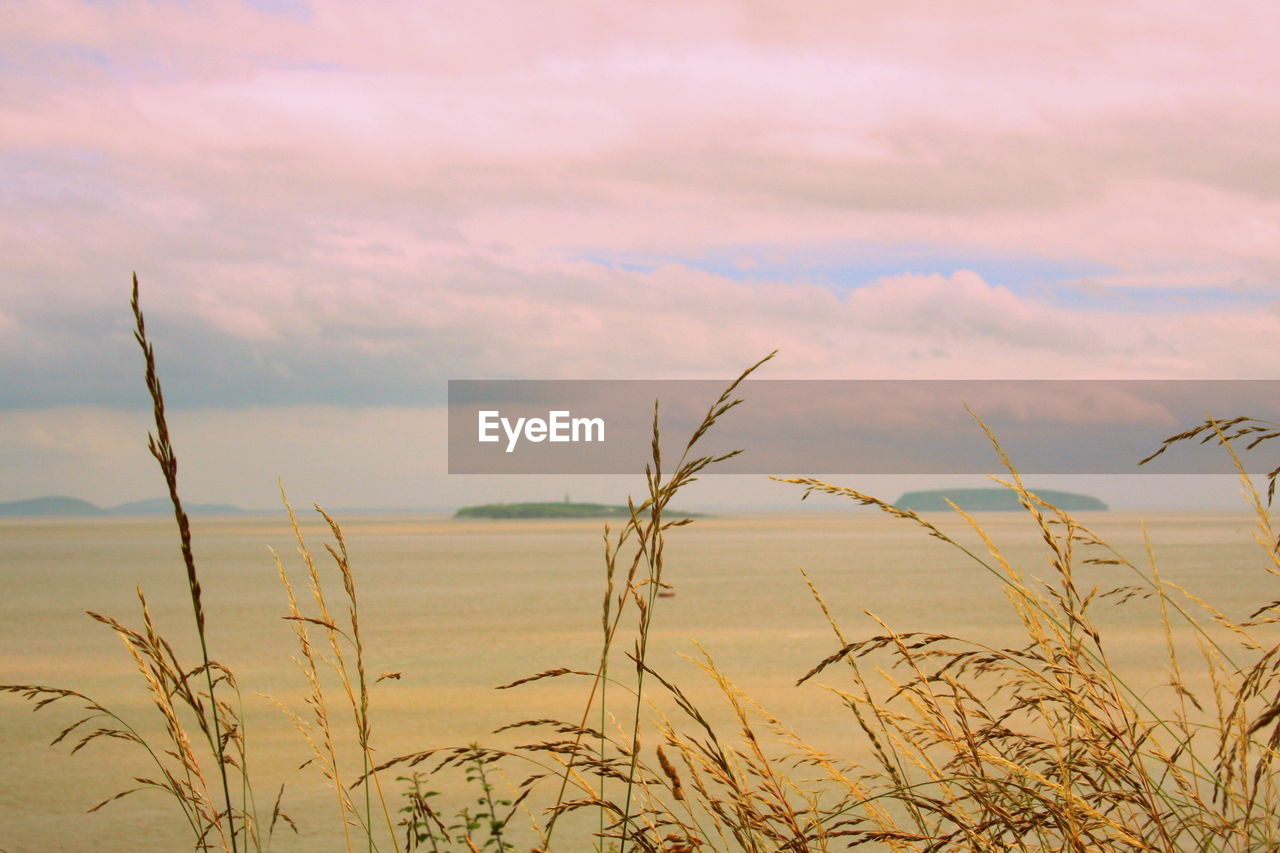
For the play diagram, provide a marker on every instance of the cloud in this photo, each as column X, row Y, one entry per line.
column 1097, row 134
column 338, row 204
column 395, row 338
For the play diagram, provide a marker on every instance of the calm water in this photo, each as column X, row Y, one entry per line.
column 460, row 607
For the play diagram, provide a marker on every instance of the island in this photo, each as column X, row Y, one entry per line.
column 992, row 500
column 550, row 509
column 556, row 509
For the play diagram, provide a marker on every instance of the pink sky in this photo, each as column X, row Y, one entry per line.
column 335, row 204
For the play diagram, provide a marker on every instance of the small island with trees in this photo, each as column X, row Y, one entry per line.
column 549, row 509
column 554, row 509
column 992, row 500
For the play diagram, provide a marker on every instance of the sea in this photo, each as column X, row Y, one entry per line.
column 450, row 610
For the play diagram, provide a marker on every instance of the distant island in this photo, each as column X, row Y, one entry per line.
column 550, row 510
column 60, row 505
column 992, row 500
column 543, row 510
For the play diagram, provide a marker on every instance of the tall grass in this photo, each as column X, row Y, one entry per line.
column 1039, row 745
column 203, row 731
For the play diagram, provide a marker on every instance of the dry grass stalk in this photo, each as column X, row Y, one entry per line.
column 162, row 449
column 353, row 681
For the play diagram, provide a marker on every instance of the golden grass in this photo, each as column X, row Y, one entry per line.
column 1039, row 746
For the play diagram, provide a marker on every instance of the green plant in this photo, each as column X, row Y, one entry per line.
column 422, row 825
column 480, row 829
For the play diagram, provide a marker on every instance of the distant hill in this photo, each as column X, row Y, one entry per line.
column 58, row 505
column 52, row 505
column 992, row 500
column 162, row 506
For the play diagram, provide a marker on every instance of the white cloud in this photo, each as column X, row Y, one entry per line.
column 351, row 207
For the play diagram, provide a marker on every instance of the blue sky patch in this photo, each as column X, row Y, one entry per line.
column 1069, row 282
column 847, row 268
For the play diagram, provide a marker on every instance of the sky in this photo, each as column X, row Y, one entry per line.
column 335, row 207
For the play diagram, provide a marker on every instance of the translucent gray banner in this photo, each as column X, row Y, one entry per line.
column 852, row 426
